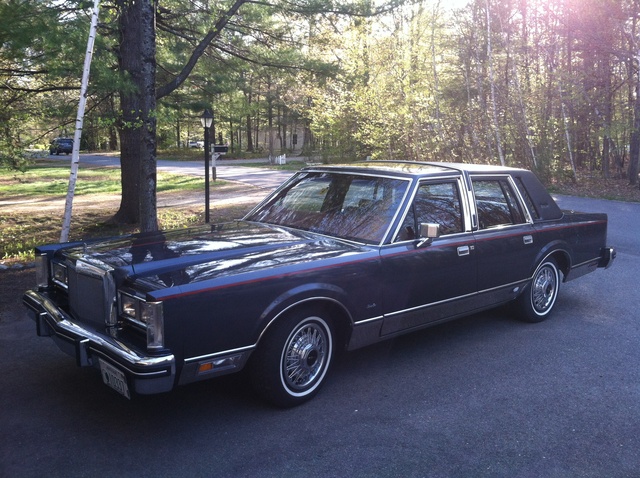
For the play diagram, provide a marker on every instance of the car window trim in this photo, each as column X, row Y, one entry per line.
column 385, row 236
column 525, row 210
column 464, row 200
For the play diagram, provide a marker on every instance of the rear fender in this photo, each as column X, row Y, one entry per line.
column 560, row 251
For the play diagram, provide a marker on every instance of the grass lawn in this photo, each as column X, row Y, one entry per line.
column 25, row 222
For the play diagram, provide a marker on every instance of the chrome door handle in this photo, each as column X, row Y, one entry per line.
column 463, row 250
column 528, row 239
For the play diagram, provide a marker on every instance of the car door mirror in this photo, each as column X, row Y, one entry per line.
column 428, row 232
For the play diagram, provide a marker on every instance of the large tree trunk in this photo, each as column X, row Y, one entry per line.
column 148, row 181
column 138, row 127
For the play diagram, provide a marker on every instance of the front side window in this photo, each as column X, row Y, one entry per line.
column 434, row 203
column 497, row 204
column 347, row 206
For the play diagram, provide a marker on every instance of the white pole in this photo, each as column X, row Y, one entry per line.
column 75, row 155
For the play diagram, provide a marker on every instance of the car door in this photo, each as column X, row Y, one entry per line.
column 505, row 239
column 429, row 282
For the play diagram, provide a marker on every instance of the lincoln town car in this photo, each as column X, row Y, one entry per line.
column 338, row 257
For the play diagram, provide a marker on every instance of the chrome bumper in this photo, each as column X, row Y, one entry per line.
column 607, row 256
column 145, row 374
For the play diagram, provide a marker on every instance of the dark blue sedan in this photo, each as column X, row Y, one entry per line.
column 338, row 257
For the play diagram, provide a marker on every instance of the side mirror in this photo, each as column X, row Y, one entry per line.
column 428, row 232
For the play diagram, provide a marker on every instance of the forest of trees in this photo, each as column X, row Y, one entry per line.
column 549, row 85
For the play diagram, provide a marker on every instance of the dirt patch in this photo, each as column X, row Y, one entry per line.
column 29, row 222
column 594, row 186
column 225, row 194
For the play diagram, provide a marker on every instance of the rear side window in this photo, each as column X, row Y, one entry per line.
column 497, row 204
column 527, row 198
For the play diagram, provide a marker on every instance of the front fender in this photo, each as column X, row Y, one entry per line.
column 307, row 293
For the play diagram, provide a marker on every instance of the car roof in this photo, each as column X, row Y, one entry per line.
column 412, row 168
column 544, row 203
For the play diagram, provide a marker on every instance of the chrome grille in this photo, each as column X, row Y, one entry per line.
column 91, row 294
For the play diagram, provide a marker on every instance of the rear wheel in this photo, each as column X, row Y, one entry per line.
column 293, row 358
column 536, row 302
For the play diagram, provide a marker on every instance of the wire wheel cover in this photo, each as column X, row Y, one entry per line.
column 305, row 356
column 545, row 287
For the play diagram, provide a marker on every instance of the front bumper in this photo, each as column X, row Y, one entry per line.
column 145, row 374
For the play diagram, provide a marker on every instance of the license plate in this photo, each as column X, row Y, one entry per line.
column 114, row 378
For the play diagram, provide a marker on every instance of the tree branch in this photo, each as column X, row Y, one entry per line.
column 39, row 90
column 354, row 12
column 199, row 50
column 19, row 72
column 214, row 33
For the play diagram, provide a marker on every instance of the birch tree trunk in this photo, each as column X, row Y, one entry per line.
column 434, row 67
column 525, row 116
column 75, row 155
column 635, row 140
column 567, row 135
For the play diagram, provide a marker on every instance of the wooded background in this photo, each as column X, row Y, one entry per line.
column 549, row 85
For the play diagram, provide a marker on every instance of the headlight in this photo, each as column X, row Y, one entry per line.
column 129, row 306
column 42, row 270
column 146, row 315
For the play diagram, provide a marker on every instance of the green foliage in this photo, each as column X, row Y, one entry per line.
column 416, row 82
column 423, row 83
column 42, row 47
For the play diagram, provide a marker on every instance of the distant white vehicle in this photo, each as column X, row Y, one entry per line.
column 196, row 144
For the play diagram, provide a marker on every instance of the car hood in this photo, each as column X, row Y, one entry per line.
column 171, row 258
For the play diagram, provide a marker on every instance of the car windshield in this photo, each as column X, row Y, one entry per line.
column 348, row 206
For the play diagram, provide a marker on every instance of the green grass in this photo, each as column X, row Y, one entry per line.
column 43, row 179
column 17, row 241
column 21, row 232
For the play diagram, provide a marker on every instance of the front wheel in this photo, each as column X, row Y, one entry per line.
column 536, row 302
column 293, row 358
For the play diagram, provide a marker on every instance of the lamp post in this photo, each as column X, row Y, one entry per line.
column 206, row 119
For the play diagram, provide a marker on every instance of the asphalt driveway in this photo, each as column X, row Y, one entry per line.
column 485, row 396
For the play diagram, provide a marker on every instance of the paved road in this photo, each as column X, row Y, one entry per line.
column 231, row 170
column 485, row 396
